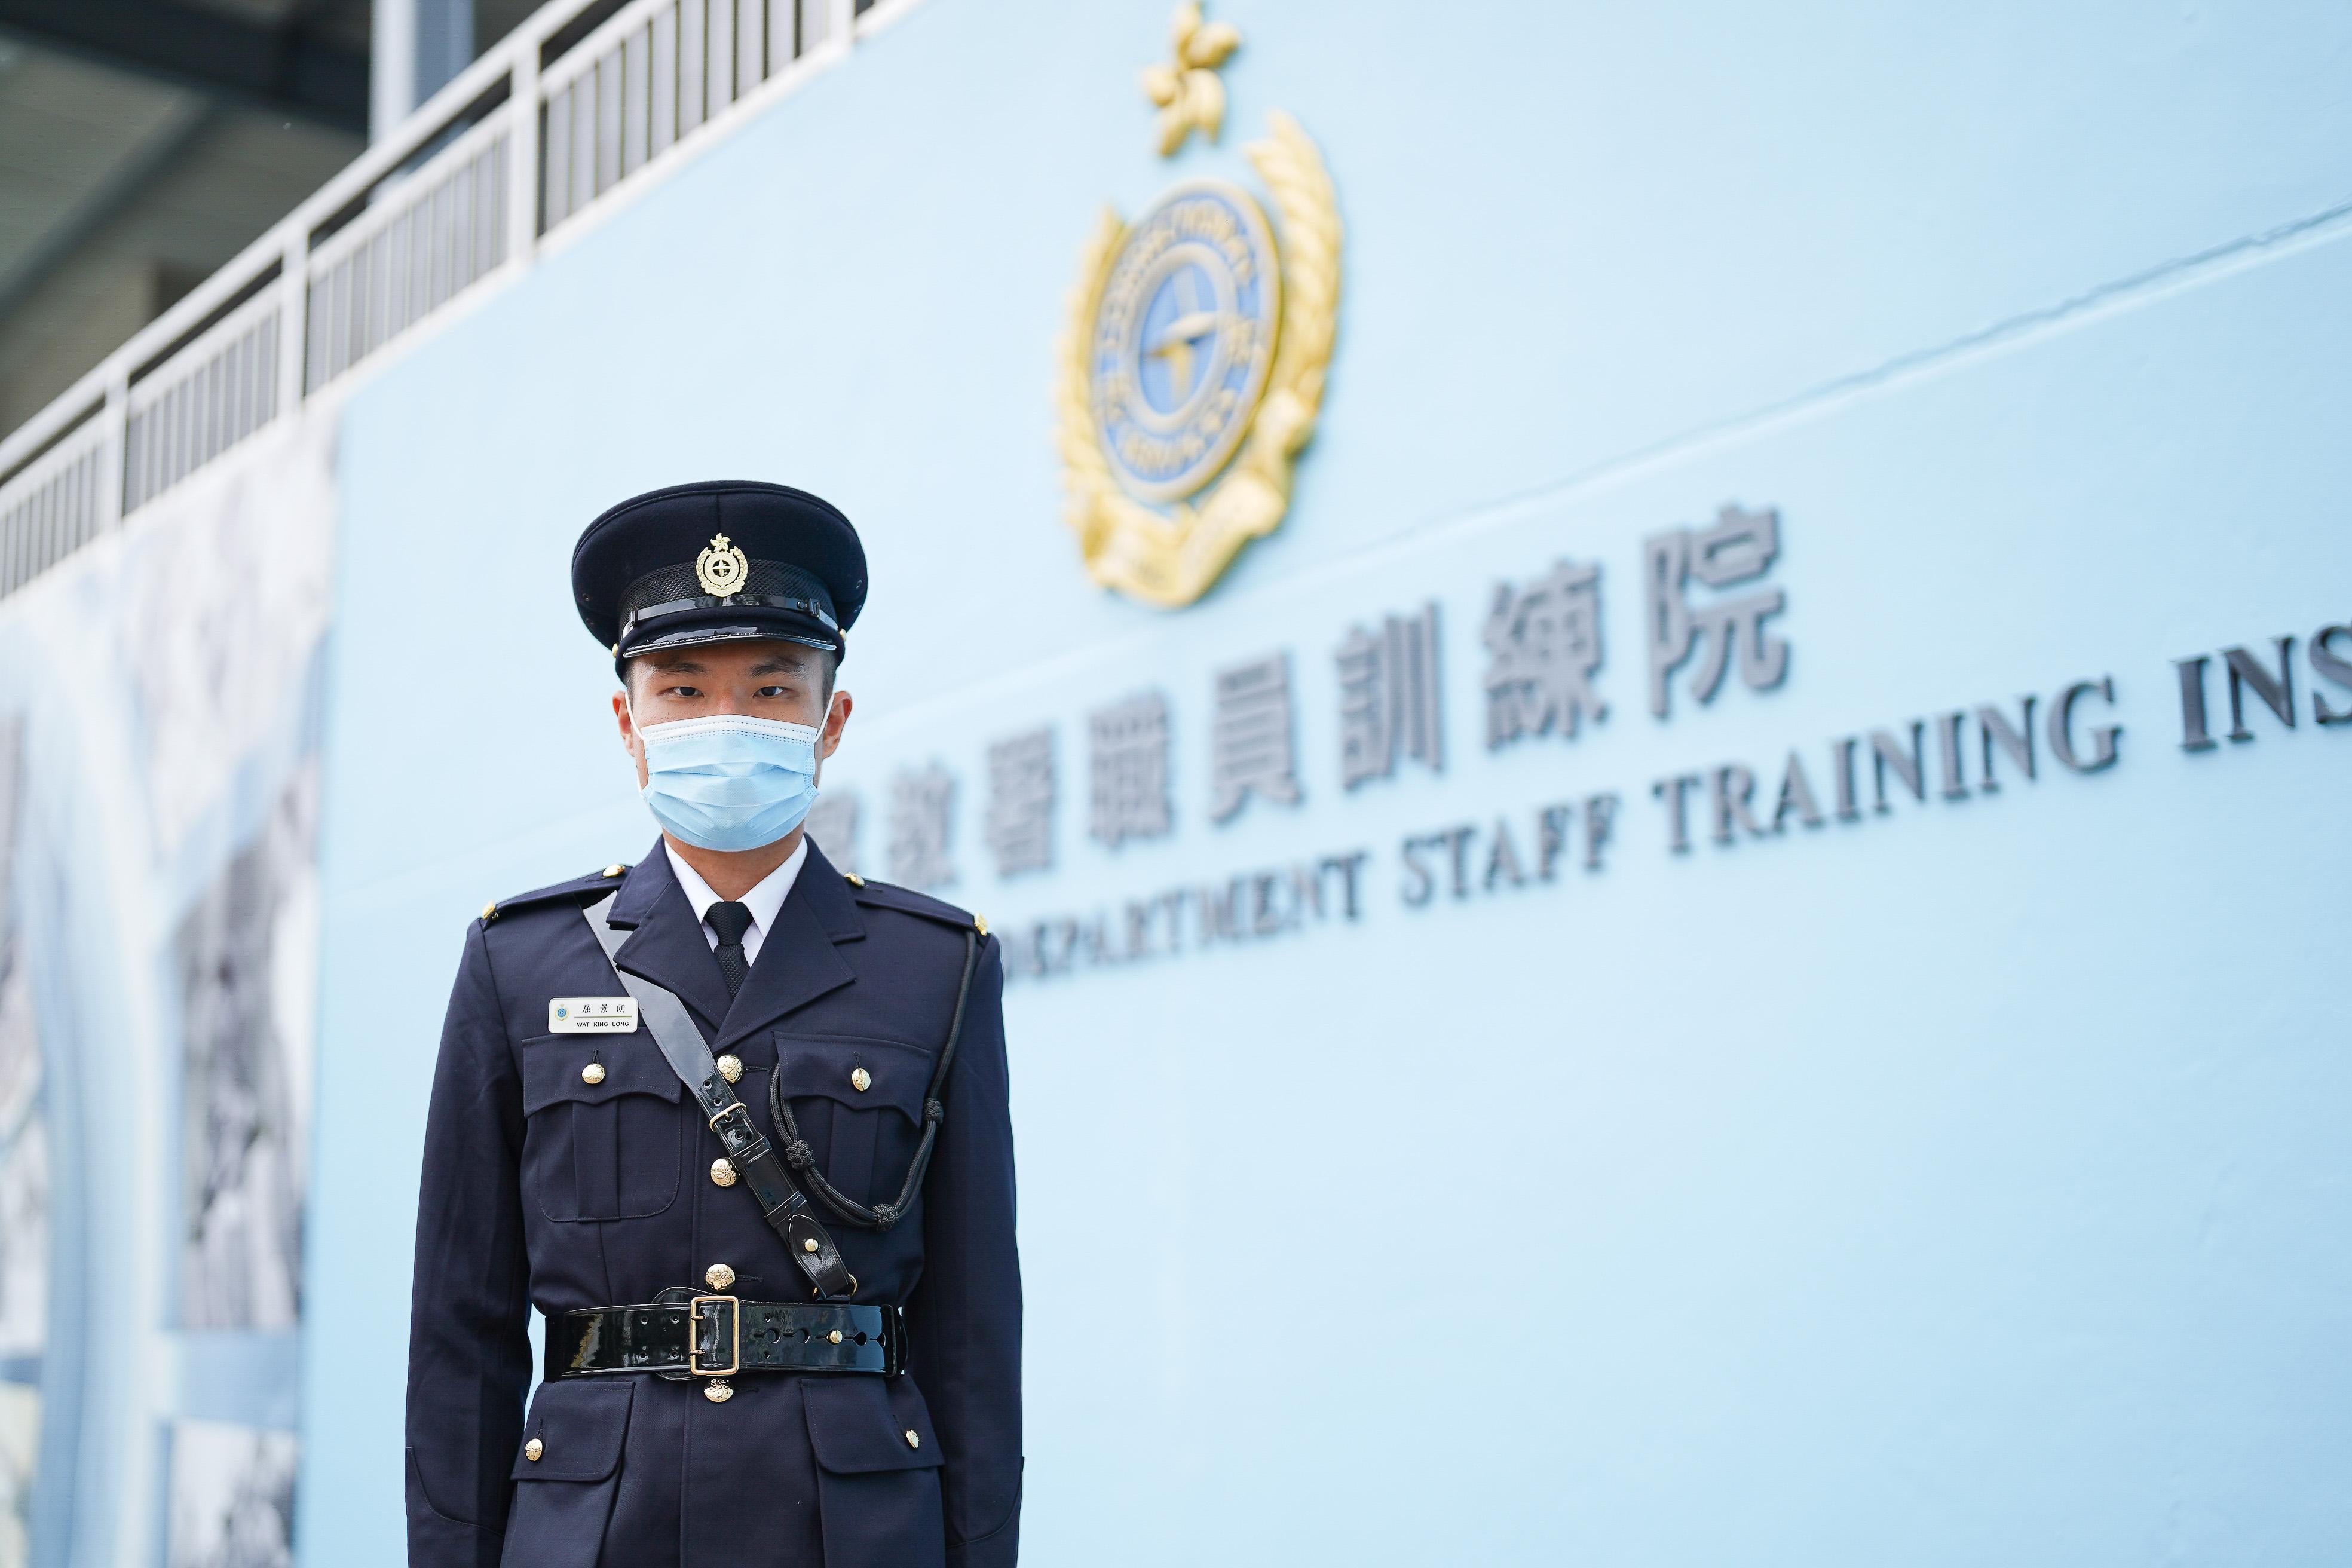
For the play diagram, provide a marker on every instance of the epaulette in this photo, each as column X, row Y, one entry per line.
column 905, row 900
column 595, row 881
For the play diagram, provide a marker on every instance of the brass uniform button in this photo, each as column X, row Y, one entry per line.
column 717, row 1392
column 533, row 1449
column 593, row 1073
column 490, row 911
column 835, row 1336
column 860, row 1079
column 854, row 879
column 914, row 1438
column 719, row 1277
column 980, row 925
column 722, row 1172
column 615, row 870
column 730, row 1067
column 809, row 1245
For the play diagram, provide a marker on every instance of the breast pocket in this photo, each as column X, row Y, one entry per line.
column 859, row 1103
column 603, row 1136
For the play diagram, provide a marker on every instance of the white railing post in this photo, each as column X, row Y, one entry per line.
column 842, row 26
column 293, row 322
column 523, row 157
column 114, row 454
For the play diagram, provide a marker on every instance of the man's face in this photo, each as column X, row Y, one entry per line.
column 779, row 680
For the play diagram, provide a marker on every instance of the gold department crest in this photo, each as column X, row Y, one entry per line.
column 721, row 568
column 1191, row 363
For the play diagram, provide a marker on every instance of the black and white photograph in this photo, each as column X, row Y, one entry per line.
column 232, row 1496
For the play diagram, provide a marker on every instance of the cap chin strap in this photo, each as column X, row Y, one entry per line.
column 808, row 608
column 701, row 635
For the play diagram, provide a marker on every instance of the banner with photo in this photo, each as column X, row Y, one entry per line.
column 160, row 726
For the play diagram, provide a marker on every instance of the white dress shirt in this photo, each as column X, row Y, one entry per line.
column 764, row 901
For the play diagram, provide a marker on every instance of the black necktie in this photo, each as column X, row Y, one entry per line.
column 731, row 921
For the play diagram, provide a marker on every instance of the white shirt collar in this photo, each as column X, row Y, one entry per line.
column 765, row 900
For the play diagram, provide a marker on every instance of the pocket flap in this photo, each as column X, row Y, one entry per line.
column 896, row 1077
column 860, row 1424
column 580, row 1425
column 632, row 1064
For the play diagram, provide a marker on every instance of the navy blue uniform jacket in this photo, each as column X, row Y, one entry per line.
column 542, row 1190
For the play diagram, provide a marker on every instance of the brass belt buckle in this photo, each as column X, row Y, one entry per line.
column 693, row 1340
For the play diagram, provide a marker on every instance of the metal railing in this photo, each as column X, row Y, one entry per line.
column 201, row 401
column 53, row 507
column 435, row 236
column 529, row 139
column 658, row 71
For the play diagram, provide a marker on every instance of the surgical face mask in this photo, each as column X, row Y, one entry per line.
column 730, row 782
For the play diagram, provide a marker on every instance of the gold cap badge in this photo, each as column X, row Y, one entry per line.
column 721, row 568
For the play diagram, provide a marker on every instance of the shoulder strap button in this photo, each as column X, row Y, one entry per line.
column 854, row 879
column 489, row 912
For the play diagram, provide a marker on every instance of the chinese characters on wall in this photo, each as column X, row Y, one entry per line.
column 1388, row 699
column 1740, row 548
column 1543, row 666
column 1543, row 645
column 1021, row 802
column 1708, row 609
column 1126, row 770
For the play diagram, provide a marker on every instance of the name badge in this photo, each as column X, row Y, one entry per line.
column 591, row 1015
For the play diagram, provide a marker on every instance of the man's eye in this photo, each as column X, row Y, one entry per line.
column 772, row 691
column 682, row 692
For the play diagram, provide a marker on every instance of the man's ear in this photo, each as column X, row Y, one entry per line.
column 836, row 720
column 626, row 721
column 630, row 741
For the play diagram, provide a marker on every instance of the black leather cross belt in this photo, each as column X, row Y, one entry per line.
column 720, row 1336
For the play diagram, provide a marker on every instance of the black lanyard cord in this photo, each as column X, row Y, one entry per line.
column 796, row 1152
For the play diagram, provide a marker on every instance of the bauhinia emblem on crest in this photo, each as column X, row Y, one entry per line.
column 721, row 568
column 1192, row 365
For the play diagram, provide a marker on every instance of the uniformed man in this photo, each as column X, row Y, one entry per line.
column 734, row 1123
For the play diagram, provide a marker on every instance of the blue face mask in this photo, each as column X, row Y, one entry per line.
column 730, row 782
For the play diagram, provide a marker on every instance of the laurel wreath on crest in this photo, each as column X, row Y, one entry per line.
column 1172, row 559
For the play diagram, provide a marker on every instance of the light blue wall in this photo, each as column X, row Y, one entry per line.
column 1959, row 1185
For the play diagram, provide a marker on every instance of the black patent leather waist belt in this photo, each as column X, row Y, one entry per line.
column 721, row 1336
